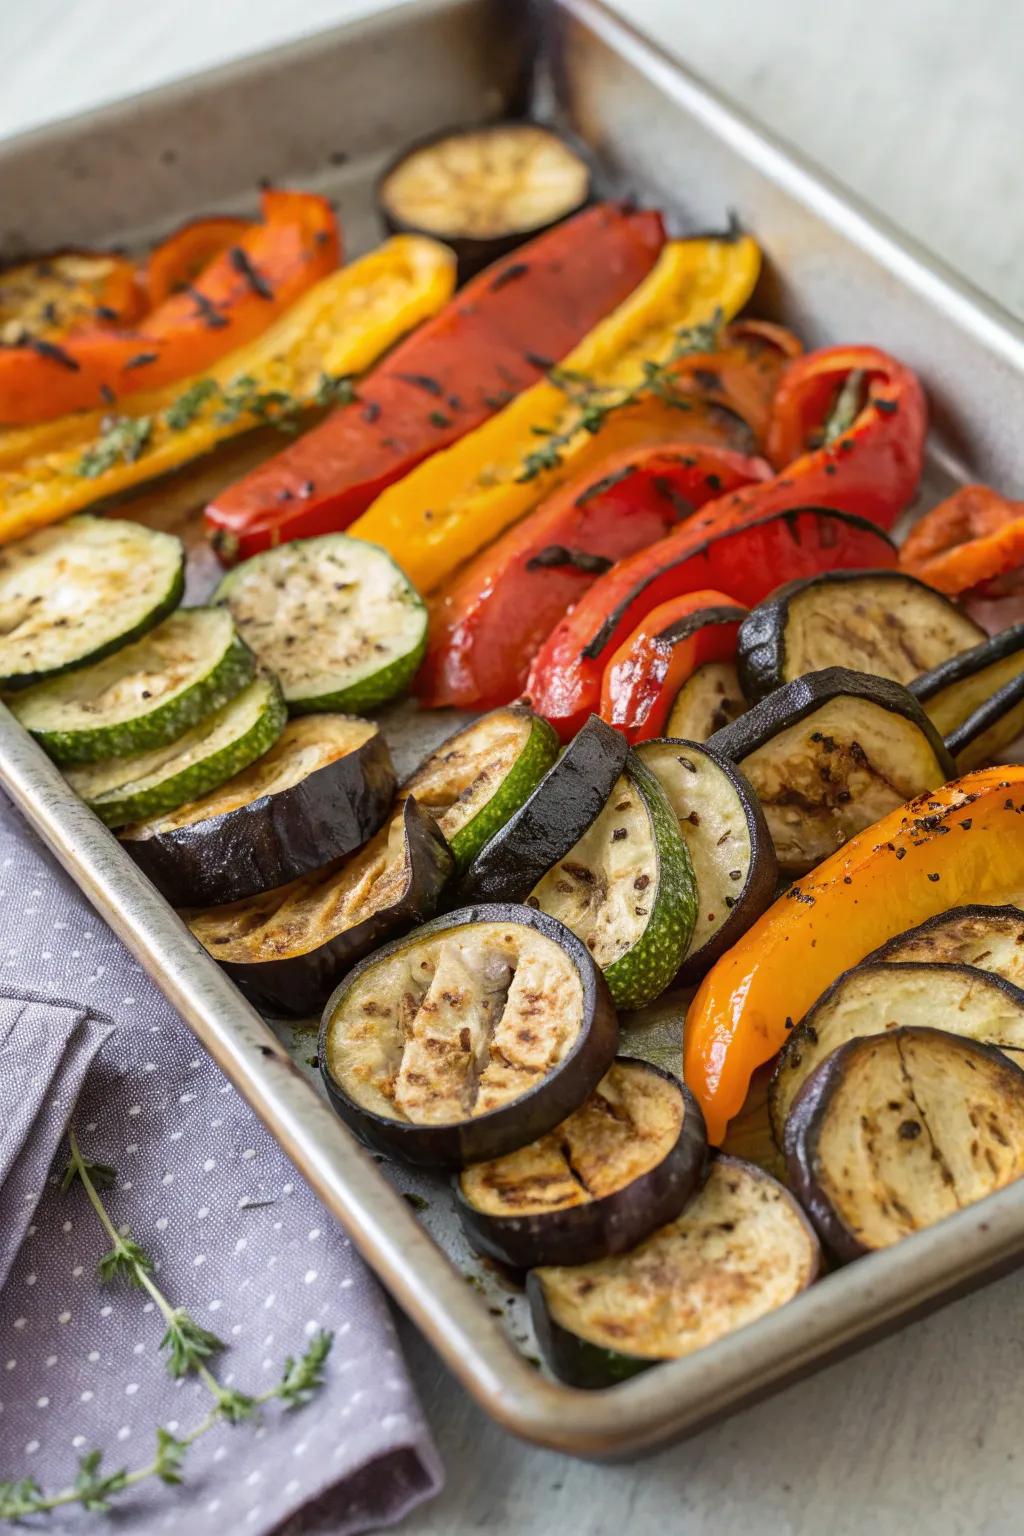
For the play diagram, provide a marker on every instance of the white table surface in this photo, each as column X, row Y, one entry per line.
column 915, row 105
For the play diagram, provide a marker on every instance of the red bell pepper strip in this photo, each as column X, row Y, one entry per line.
column 490, row 620
column 652, row 664
column 178, row 260
column 974, row 536
column 230, row 303
column 496, row 337
column 748, row 556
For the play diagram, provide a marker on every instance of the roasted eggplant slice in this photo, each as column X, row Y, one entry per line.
column 882, row 622
column 472, row 783
column 483, row 191
column 568, row 799
column 877, row 996
column 740, row 1249
column 321, row 791
column 829, row 754
column 622, row 1165
column 992, row 938
column 727, row 838
column 890, row 1133
column 627, row 889
column 143, row 696
column 288, row 947
column 475, row 1035
column 959, row 686
column 333, row 617
column 72, row 594
column 707, row 701
column 984, row 735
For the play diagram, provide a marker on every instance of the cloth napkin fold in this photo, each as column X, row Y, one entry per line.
column 236, row 1237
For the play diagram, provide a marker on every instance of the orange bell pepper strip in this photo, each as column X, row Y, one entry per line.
column 51, row 296
column 235, row 299
column 961, row 843
column 177, row 261
column 973, row 536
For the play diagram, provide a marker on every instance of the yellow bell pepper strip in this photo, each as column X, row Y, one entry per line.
column 462, row 498
column 961, row 843
column 334, row 331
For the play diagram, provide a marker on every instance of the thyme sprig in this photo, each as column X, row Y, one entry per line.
column 121, row 437
column 594, row 402
column 849, row 403
column 188, row 1347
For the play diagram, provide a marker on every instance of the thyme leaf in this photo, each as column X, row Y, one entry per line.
column 123, row 437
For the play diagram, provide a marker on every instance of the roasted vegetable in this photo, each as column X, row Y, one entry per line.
column 287, row 947
column 473, row 782
column 623, row 1164
column 474, row 1036
column 494, row 339
column 740, row 1249
column 745, row 559
column 959, row 685
column 46, row 298
column 986, row 733
column 483, row 191
column 971, row 542
column 727, row 838
column 144, row 695
column 334, row 618
column 645, row 674
column 627, row 889
column 70, row 596
column 878, row 996
column 183, row 255
column 882, row 622
column 991, row 938
column 709, row 699
column 964, row 842
column 829, row 754
column 324, row 787
column 492, row 617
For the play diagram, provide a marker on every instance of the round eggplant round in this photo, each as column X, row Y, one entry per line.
column 959, row 685
column 623, row 1164
column 992, row 938
column 321, row 791
column 471, row 1037
column 892, row 1132
column 990, row 729
column 740, row 1249
column 286, row 948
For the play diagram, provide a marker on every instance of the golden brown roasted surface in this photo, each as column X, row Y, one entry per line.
column 879, row 626
column 709, row 699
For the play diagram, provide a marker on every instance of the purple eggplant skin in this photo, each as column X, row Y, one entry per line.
column 298, row 984
column 275, row 838
column 502, row 1130
column 612, row 1224
column 576, row 1361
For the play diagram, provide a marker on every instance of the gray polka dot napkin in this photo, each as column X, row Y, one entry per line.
column 235, row 1236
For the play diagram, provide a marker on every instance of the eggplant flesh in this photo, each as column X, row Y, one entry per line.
column 621, row 1165
column 877, row 996
column 740, row 1249
column 991, row 938
column 709, row 699
column 958, row 686
column 986, row 733
column 893, row 1132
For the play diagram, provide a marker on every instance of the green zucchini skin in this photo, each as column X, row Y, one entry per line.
column 523, row 1120
column 274, row 839
column 568, row 799
column 576, row 1361
column 233, row 670
column 612, row 1224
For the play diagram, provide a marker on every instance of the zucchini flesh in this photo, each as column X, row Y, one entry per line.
column 707, row 701
column 144, row 695
column 71, row 594
column 125, row 789
column 472, row 783
column 992, row 938
column 333, row 617
column 627, row 889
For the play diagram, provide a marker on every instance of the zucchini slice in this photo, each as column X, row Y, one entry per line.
column 890, row 1133
column 740, row 1249
column 143, row 696
column 829, row 754
column 470, row 1038
column 622, row 1165
column 707, row 701
column 992, row 938
column 727, row 838
column 473, row 781
column 877, row 996
column 72, row 594
column 568, row 799
column 288, row 947
column 958, row 686
column 333, row 617
column 483, row 191
column 124, row 789
column 985, row 734
column 882, row 622
column 324, row 787
column 627, row 889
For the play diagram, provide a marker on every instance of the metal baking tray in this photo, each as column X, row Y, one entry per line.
column 328, row 112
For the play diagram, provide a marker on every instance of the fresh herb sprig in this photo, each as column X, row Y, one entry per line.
column 121, row 437
column 849, row 403
column 188, row 1347
column 594, row 402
